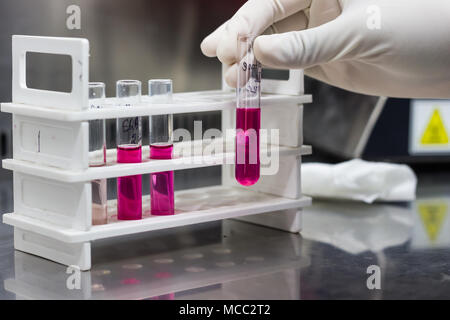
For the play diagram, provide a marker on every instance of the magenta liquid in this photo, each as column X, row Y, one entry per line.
column 161, row 183
column 129, row 189
column 248, row 122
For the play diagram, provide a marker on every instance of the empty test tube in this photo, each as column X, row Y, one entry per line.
column 97, row 153
column 161, row 147
column 129, row 150
column 248, row 113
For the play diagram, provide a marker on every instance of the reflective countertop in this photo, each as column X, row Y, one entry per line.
column 330, row 259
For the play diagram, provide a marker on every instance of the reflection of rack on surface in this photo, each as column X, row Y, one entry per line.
column 52, row 190
column 219, row 266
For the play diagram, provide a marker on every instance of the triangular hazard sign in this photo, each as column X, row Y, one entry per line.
column 435, row 132
column 433, row 217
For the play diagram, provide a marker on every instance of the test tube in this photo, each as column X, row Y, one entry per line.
column 129, row 150
column 248, row 113
column 97, row 153
column 161, row 147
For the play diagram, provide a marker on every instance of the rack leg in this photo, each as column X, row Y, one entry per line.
column 286, row 220
column 75, row 254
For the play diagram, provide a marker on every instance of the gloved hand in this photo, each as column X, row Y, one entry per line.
column 397, row 48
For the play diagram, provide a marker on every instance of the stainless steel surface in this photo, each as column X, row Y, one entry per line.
column 235, row 260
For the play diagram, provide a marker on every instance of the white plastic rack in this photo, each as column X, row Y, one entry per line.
column 52, row 215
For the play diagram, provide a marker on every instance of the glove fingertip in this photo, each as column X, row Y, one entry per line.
column 231, row 76
column 207, row 49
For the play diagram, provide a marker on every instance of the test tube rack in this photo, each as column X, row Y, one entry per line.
column 52, row 215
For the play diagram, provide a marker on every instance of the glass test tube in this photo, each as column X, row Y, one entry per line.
column 161, row 147
column 248, row 114
column 129, row 150
column 97, row 153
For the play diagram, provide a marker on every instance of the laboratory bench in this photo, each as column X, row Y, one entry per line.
column 332, row 258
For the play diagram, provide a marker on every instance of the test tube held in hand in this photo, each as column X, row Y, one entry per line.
column 97, row 154
column 161, row 147
column 129, row 150
column 248, row 113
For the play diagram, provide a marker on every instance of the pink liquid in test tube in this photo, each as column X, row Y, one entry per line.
column 129, row 189
column 248, row 114
column 248, row 121
column 129, row 150
column 161, row 146
column 161, row 183
column 161, row 151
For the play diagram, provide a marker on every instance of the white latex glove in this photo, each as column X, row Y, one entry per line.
column 339, row 42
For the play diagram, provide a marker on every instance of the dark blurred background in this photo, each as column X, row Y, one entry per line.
column 135, row 39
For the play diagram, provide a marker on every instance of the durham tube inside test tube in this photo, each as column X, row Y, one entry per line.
column 129, row 150
column 248, row 114
column 97, row 153
column 161, row 147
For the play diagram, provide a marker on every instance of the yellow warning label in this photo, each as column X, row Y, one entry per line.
column 433, row 216
column 435, row 132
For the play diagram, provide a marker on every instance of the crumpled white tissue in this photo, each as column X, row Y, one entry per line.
column 359, row 180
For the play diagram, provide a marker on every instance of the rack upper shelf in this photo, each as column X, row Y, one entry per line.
column 113, row 169
column 190, row 102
